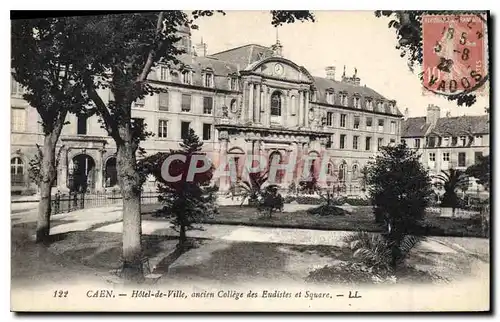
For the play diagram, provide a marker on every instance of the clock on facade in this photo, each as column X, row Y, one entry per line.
column 278, row 69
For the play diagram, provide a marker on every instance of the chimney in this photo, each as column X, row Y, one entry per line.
column 406, row 113
column 330, row 72
column 433, row 114
column 201, row 49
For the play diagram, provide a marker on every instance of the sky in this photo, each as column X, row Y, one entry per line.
column 356, row 39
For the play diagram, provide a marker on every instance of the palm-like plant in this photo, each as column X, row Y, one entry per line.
column 252, row 188
column 451, row 180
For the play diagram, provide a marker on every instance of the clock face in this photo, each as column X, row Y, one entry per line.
column 278, row 69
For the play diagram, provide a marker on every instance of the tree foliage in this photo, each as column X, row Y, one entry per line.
column 185, row 201
column 450, row 181
column 399, row 189
column 481, row 171
column 408, row 29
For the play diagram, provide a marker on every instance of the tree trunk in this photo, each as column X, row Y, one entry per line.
column 182, row 236
column 131, row 192
column 48, row 174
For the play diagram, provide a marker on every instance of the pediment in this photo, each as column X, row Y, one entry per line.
column 281, row 68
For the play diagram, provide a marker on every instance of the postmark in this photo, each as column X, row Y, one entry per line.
column 454, row 54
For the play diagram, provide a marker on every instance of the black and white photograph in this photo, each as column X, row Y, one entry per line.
column 257, row 161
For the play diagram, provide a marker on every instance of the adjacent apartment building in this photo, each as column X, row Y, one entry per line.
column 248, row 99
column 447, row 142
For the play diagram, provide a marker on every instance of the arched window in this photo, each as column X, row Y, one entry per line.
column 329, row 169
column 355, row 172
column 294, row 105
column 342, row 170
column 276, row 104
column 234, row 106
column 17, row 171
column 276, row 158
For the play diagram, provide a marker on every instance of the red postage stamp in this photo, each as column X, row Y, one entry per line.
column 454, row 54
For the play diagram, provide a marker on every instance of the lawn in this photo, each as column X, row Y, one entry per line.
column 361, row 218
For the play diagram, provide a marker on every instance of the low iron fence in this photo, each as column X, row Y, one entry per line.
column 62, row 203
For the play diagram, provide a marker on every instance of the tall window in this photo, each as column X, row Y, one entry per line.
column 329, row 143
column 369, row 122
column 233, row 84
column 293, row 101
column 357, row 102
column 275, row 158
column 208, row 79
column 276, row 104
column 329, row 118
column 462, row 159
column 163, row 101
column 329, row 97
column 184, row 129
column 368, row 143
column 380, row 143
column 208, row 103
column 356, row 122
column 186, row 103
column 446, row 141
column 186, row 77
column 342, row 169
column 355, row 172
column 343, row 99
column 369, row 104
column 355, row 140
column 163, row 73
column 393, row 127
column 431, row 141
column 343, row 120
column 381, row 125
column 16, row 171
column 207, row 131
column 454, row 141
column 463, row 139
column 446, row 156
column 81, row 126
column 162, row 128
column 417, row 143
column 342, row 141
column 380, row 106
column 18, row 119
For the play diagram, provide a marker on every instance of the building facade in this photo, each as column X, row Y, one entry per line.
column 245, row 100
column 447, row 142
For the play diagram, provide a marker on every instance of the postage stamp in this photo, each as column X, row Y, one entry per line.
column 454, row 54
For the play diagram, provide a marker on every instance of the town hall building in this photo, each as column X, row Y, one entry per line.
column 244, row 100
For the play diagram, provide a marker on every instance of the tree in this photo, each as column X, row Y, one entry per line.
column 130, row 46
column 187, row 201
column 44, row 60
column 481, row 171
column 252, row 189
column 399, row 189
column 408, row 28
column 451, row 180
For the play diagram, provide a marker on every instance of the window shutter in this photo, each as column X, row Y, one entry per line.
column 163, row 101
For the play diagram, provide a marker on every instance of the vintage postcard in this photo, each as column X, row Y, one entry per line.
column 333, row 161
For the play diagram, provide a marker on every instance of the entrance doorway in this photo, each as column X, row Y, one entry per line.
column 81, row 176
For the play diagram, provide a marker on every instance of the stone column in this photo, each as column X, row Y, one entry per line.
column 267, row 120
column 244, row 102
column 62, row 177
column 251, row 102
column 306, row 107
column 99, row 176
column 301, row 108
column 224, row 182
column 257, row 104
column 286, row 109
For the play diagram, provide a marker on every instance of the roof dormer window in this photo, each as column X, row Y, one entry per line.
column 187, row 77
column 208, row 79
column 330, row 96
column 233, row 83
column 380, row 106
column 357, row 102
column 369, row 103
column 164, row 73
column 343, row 99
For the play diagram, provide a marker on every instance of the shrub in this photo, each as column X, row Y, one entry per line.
column 327, row 210
column 399, row 189
column 271, row 200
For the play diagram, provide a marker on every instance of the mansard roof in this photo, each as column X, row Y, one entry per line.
column 447, row 126
column 414, row 127
column 244, row 55
column 325, row 84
